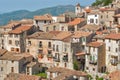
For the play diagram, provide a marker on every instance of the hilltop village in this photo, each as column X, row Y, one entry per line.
column 80, row 45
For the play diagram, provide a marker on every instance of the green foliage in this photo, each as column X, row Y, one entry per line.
column 90, row 77
column 102, row 2
column 76, row 65
column 42, row 74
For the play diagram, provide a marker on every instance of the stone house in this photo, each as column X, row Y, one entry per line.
column 95, row 60
column 16, row 38
column 12, row 62
column 14, row 76
column 112, row 51
column 39, row 21
column 93, row 18
column 76, row 24
column 106, row 16
column 61, row 26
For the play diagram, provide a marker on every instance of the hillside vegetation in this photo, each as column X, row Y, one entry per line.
column 102, row 2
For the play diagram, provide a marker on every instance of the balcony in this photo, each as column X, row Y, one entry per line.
column 93, row 62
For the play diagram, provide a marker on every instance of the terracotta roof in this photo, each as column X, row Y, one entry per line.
column 80, row 54
column 44, row 17
column 21, row 29
column 95, row 44
column 78, row 34
column 42, row 35
column 55, row 32
column 113, row 36
column 107, row 9
column 76, row 21
column 115, row 75
column 16, row 76
column 88, row 10
column 65, row 70
column 11, row 25
column 90, row 27
column 14, row 56
column 117, row 15
column 62, row 35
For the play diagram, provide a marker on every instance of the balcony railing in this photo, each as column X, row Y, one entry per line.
column 93, row 62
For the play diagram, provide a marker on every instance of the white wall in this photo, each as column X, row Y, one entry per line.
column 94, row 18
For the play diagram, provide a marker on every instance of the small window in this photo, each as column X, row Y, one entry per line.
column 28, row 50
column 10, row 41
column 49, row 44
column 96, row 21
column 40, row 44
column 57, row 48
column 53, row 47
column 12, row 69
column 12, row 61
column 95, row 15
column 16, row 43
column 1, row 68
column 116, row 50
column 101, row 16
column 87, row 68
column 47, row 29
column 45, row 21
column 93, row 69
column 29, row 42
column 54, row 28
column 108, row 48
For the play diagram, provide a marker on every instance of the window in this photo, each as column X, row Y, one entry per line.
column 108, row 48
column 40, row 44
column 36, row 21
column 49, row 44
column 10, row 41
column 49, row 52
column 45, row 21
column 96, row 21
column 57, row 48
column 1, row 68
column 53, row 47
column 54, row 28
column 40, row 51
column 101, row 16
column 62, row 29
column 91, row 20
column 116, row 49
column 12, row 61
column 16, row 43
column 93, row 69
column 95, row 15
column 12, row 69
column 29, row 42
column 10, row 35
column 87, row 68
column 16, row 36
column 28, row 50
column 12, row 49
column 17, row 49
column 47, row 29
column 109, row 40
